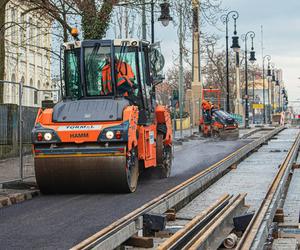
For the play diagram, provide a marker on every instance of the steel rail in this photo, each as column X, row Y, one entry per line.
column 257, row 230
column 184, row 235
column 213, row 234
column 115, row 234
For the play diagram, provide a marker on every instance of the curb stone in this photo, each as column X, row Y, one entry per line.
column 7, row 199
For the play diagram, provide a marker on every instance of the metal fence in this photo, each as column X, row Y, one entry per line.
column 3, row 125
column 16, row 123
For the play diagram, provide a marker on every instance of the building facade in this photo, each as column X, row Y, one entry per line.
column 28, row 58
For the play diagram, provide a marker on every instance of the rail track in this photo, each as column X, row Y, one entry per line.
column 202, row 231
column 257, row 231
column 118, row 232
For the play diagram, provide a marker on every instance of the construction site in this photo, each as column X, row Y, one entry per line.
column 118, row 153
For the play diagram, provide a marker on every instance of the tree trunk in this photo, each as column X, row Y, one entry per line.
column 2, row 46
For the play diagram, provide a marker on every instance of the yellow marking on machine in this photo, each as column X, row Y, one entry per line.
column 77, row 155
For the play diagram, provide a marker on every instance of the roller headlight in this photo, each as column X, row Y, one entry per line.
column 41, row 135
column 48, row 136
column 118, row 133
column 109, row 135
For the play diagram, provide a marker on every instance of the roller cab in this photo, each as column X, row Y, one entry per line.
column 108, row 127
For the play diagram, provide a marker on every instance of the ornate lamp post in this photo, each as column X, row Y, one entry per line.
column 235, row 46
column 273, row 81
column 269, row 75
column 252, row 60
column 253, row 93
column 277, row 83
column 165, row 17
column 263, row 76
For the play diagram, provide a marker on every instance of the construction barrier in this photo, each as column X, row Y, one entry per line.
column 186, row 123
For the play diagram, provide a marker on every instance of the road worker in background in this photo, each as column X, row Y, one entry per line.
column 207, row 107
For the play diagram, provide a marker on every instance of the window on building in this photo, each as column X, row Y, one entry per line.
column 31, row 31
column 14, row 89
column 38, row 35
column 23, row 30
column 13, row 25
column 35, row 97
column 24, row 98
column 30, row 92
column 37, row 100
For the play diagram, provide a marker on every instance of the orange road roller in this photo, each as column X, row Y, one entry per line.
column 108, row 126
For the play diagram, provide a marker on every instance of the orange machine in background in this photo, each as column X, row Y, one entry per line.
column 215, row 122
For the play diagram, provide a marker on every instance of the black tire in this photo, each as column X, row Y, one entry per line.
column 163, row 156
column 132, row 170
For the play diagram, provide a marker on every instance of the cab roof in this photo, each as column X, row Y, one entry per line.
column 117, row 42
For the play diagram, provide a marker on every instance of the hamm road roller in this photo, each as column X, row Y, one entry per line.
column 108, row 127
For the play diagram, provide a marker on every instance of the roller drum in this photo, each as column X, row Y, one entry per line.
column 229, row 135
column 90, row 174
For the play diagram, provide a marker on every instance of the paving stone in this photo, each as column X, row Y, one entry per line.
column 16, row 198
column 291, row 206
column 285, row 244
column 5, row 201
column 252, row 176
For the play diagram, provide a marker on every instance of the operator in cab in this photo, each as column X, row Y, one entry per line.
column 124, row 78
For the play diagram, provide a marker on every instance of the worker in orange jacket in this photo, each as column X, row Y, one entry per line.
column 207, row 108
column 124, row 78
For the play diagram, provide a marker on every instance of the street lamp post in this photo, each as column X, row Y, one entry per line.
column 263, row 76
column 277, row 83
column 252, row 60
column 253, row 94
column 164, row 18
column 273, row 81
column 235, row 46
column 269, row 74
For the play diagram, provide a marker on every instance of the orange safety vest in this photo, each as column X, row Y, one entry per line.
column 124, row 78
column 206, row 105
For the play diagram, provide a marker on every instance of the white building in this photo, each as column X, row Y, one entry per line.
column 28, row 58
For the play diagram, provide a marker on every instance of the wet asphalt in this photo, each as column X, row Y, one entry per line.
column 61, row 221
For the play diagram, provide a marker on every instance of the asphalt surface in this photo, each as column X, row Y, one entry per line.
column 61, row 221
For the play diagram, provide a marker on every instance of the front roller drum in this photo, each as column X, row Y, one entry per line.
column 229, row 135
column 90, row 174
